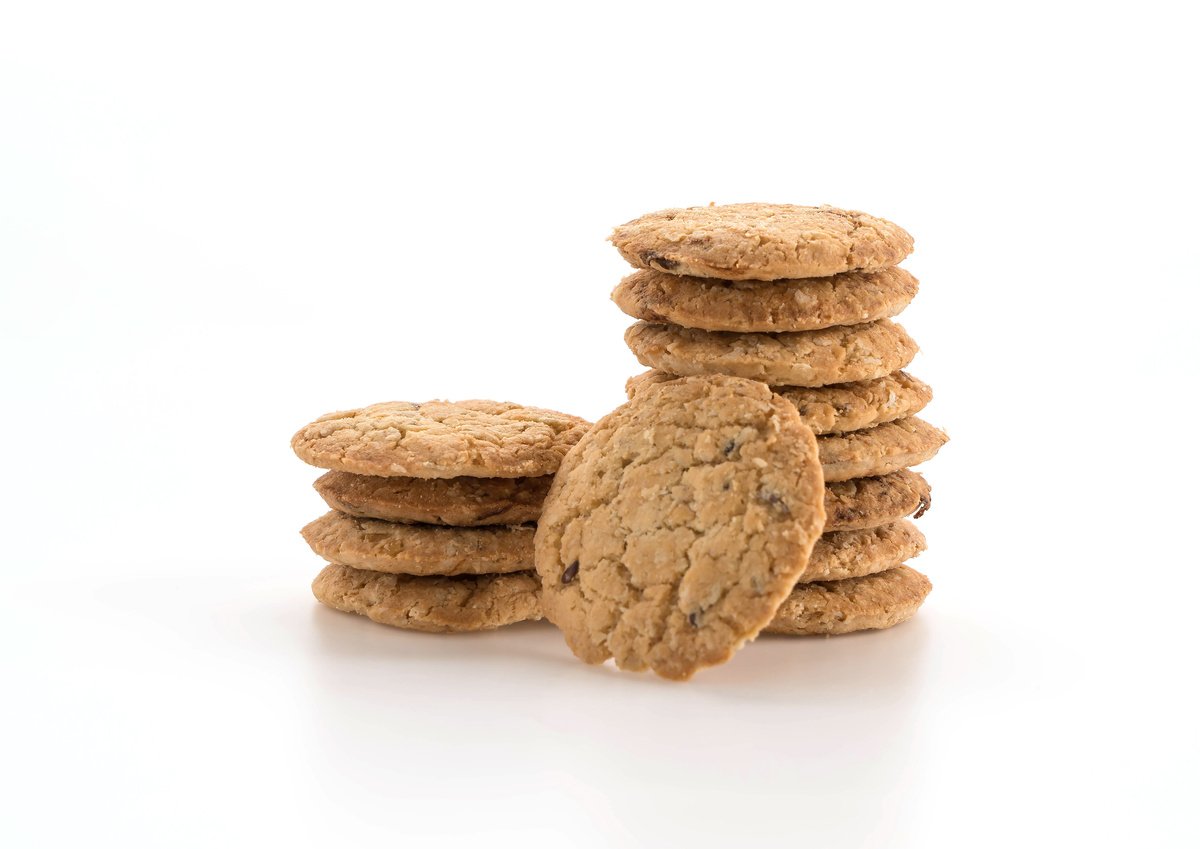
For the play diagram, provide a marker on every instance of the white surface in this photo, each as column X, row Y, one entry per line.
column 219, row 222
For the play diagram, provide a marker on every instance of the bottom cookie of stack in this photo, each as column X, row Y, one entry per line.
column 464, row 603
column 436, row 604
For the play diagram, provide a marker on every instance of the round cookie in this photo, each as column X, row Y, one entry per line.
column 678, row 523
column 810, row 358
column 853, row 297
column 761, row 241
column 839, row 407
column 440, row 439
column 435, row 604
column 851, row 554
column 879, row 450
column 460, row 502
column 870, row 502
column 420, row 549
column 856, row 604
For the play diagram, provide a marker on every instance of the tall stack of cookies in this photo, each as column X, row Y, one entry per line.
column 433, row 509
column 801, row 298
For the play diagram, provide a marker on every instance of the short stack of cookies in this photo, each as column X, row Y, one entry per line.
column 801, row 298
column 433, row 509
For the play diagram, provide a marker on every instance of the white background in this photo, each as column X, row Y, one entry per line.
column 220, row 220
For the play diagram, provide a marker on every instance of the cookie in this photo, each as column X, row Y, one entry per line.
column 420, row 549
column 436, row 604
column 852, row 554
column 853, row 297
column 870, row 502
column 440, row 439
column 678, row 523
column 840, row 407
column 761, row 241
column 857, row 604
column 879, row 450
column 461, row 502
column 810, row 358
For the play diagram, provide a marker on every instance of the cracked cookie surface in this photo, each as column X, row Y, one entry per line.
column 420, row 549
column 808, row 358
column 678, row 523
column 851, row 554
column 440, row 439
column 459, row 502
column 879, row 450
column 854, row 297
column 856, row 604
column 839, row 407
column 761, row 241
column 434, row 604
column 870, row 502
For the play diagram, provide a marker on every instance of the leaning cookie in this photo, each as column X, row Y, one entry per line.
column 854, row 297
column 810, row 358
column 879, row 450
column 857, row 604
column 837, row 408
column 420, row 549
column 678, row 524
column 761, row 241
column 440, row 439
column 436, row 604
column 460, row 502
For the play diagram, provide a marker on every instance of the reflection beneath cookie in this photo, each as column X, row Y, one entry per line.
column 352, row 637
column 823, row 726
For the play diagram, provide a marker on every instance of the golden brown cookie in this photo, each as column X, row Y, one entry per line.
column 811, row 358
column 852, row 554
column 840, row 407
column 420, row 549
column 879, row 450
column 461, row 502
column 853, row 297
column 678, row 523
column 440, row 439
column 856, row 604
column 761, row 241
column 436, row 604
column 870, row 502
